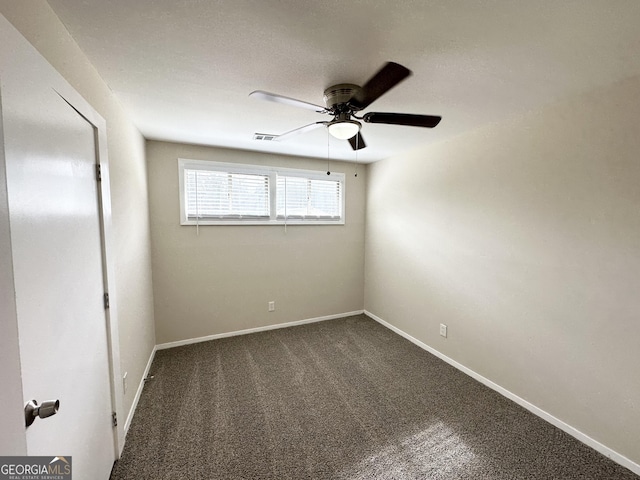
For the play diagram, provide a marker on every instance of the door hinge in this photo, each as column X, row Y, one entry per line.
column 114, row 419
column 106, row 301
column 98, row 172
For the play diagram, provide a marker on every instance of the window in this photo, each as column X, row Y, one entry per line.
column 214, row 193
column 218, row 195
column 308, row 198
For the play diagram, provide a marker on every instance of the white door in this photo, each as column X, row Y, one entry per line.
column 50, row 152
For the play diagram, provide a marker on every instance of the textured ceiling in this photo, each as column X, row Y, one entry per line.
column 183, row 69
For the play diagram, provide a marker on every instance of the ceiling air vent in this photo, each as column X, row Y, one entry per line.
column 264, row 136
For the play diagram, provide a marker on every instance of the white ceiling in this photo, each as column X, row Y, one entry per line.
column 183, row 69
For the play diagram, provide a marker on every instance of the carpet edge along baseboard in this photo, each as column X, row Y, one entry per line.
column 264, row 328
column 565, row 427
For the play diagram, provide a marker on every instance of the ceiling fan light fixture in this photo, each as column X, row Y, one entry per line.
column 344, row 129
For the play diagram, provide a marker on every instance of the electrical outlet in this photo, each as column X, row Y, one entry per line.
column 443, row 330
column 124, row 382
column 272, row 306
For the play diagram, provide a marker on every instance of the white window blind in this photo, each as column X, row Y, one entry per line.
column 300, row 197
column 216, row 193
column 213, row 194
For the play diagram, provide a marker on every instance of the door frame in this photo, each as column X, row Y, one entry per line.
column 10, row 371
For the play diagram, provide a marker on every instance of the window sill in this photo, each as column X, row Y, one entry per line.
column 262, row 222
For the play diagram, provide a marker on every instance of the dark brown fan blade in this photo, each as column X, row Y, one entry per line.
column 298, row 131
column 274, row 97
column 428, row 121
column 357, row 142
column 387, row 77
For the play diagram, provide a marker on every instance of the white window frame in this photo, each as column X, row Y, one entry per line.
column 272, row 172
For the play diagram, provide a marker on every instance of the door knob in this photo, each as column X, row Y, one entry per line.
column 46, row 409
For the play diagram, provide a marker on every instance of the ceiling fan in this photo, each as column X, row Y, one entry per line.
column 344, row 100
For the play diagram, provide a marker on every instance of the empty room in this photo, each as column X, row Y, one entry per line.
column 319, row 240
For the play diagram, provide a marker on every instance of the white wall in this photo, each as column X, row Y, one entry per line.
column 524, row 238
column 221, row 280
column 39, row 24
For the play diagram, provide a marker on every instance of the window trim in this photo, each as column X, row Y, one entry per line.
column 272, row 172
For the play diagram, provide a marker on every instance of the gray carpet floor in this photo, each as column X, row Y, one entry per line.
column 340, row 399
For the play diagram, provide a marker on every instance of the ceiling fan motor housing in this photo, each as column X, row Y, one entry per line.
column 339, row 94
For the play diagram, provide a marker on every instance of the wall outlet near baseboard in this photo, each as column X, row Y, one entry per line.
column 272, row 306
column 443, row 330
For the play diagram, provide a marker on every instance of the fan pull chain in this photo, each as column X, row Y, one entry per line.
column 285, row 205
column 197, row 209
column 328, row 156
column 357, row 138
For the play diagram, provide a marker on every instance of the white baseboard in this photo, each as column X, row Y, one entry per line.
column 189, row 341
column 139, row 392
column 577, row 434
